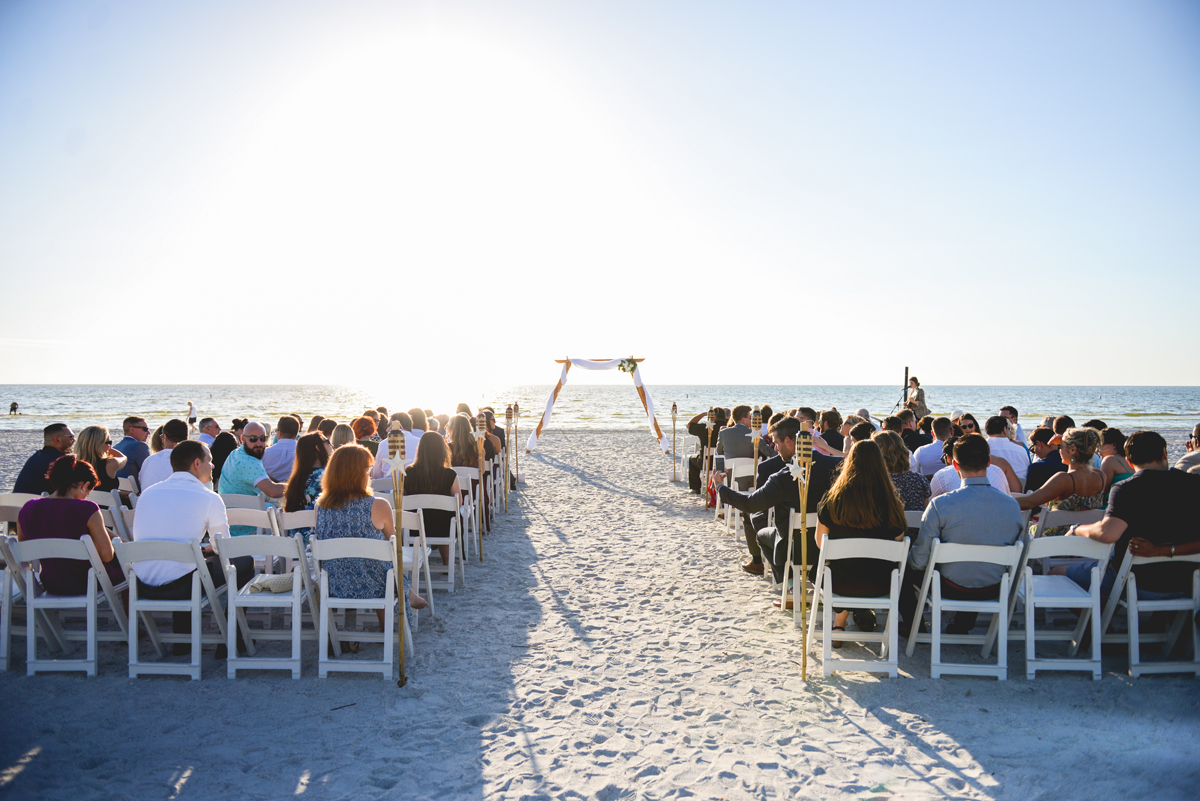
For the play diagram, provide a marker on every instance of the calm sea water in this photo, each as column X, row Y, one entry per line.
column 584, row 406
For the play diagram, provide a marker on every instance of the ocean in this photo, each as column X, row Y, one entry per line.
column 612, row 406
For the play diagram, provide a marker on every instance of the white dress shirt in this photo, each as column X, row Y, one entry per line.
column 927, row 459
column 156, row 468
column 382, row 468
column 179, row 509
column 279, row 458
column 947, row 479
column 1011, row 452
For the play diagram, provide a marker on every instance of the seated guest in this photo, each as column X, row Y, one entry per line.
column 967, row 423
column 862, row 504
column 1005, row 448
column 912, row 438
column 1153, row 513
column 326, row 427
column 314, row 423
column 492, row 429
column 57, row 440
column 975, row 514
column 830, row 422
column 1009, row 413
column 1047, row 422
column 419, row 424
column 1048, row 461
column 766, row 413
column 431, row 474
column 698, row 427
column 364, row 433
column 244, row 474
column 156, row 441
column 224, row 444
column 157, row 466
column 237, row 427
column 847, row 425
column 1062, row 423
column 304, row 484
column 1192, row 457
column 925, row 426
column 347, row 508
column 95, row 447
column 736, row 441
column 373, row 416
column 383, row 467
column 464, row 452
column 133, row 445
column 928, row 458
column 68, row 515
column 181, row 509
column 892, row 423
column 342, row 434
column 866, row 416
column 1079, row 489
column 209, row 429
column 780, row 493
column 1113, row 463
column 913, row 488
column 862, row 431
column 947, row 479
column 278, row 458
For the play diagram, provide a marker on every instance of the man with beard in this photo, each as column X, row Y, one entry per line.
column 243, row 472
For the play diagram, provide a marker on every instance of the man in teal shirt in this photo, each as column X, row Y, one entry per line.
column 244, row 474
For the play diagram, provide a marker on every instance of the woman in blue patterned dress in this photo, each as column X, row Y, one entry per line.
column 347, row 508
column 312, row 454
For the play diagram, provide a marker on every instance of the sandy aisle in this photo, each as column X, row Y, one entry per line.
column 608, row 648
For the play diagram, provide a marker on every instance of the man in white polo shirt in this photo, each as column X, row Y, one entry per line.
column 157, row 466
column 1016, row 456
column 181, row 509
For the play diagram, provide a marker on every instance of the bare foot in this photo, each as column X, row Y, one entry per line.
column 416, row 601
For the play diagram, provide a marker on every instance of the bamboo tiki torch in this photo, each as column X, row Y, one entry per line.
column 395, row 445
column 804, row 457
column 674, row 450
column 508, row 418
column 756, row 424
column 517, row 436
column 480, row 433
column 705, row 452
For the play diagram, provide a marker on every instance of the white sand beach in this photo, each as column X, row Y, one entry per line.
column 608, row 647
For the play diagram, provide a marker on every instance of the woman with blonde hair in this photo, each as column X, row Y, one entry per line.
column 347, row 508
column 94, row 446
column 912, row 487
column 861, row 504
column 342, row 435
column 1080, row 489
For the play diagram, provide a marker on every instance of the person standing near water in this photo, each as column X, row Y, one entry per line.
column 12, row 408
column 916, row 398
column 191, row 418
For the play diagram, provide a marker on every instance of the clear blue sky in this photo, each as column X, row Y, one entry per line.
column 288, row 191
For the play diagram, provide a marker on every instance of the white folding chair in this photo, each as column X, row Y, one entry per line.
column 1060, row 592
column 10, row 507
column 736, row 469
column 129, row 484
column 416, row 558
column 204, row 595
column 290, row 550
column 468, row 478
column 823, row 595
column 12, row 596
column 110, row 504
column 99, row 591
column 443, row 503
column 1008, row 557
column 382, row 486
column 1185, row 609
column 810, row 521
column 356, row 548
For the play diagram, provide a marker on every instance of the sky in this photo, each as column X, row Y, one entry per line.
column 455, row 194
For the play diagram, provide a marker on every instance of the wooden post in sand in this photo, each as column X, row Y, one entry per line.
column 801, row 470
column 508, row 447
column 674, row 451
column 516, row 437
column 708, row 461
column 756, row 424
column 480, row 433
column 395, row 445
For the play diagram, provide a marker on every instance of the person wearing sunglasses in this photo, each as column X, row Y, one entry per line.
column 244, row 474
column 157, row 466
column 133, row 446
column 94, row 446
column 1192, row 458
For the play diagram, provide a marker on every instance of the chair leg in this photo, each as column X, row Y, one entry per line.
column 295, row 635
column 1134, row 633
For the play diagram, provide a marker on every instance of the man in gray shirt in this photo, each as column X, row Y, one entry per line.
column 975, row 514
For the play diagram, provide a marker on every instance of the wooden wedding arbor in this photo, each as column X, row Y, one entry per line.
column 601, row 364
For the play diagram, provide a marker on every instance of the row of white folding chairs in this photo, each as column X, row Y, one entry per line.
column 42, row 609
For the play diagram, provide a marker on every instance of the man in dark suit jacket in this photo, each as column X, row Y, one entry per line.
column 780, row 491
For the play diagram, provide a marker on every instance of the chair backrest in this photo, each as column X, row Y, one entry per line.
column 742, row 470
column 864, row 548
column 811, row 520
column 131, row 553
column 259, row 518
column 913, row 519
column 353, row 548
column 947, row 552
column 1043, row 547
column 104, row 499
column 290, row 521
column 466, row 473
column 444, row 503
column 382, row 485
column 257, row 545
column 244, row 501
column 31, row 551
column 128, row 484
column 1150, row 560
column 1055, row 517
column 732, row 462
column 17, row 499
